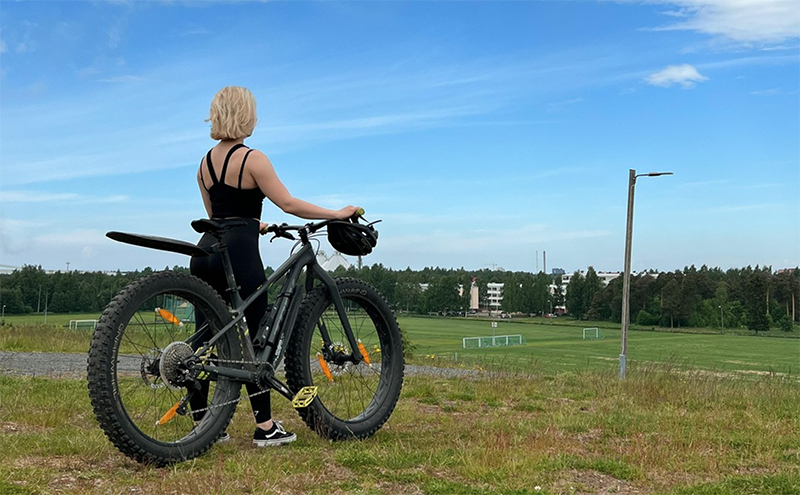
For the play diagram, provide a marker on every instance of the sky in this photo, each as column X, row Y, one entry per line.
column 483, row 133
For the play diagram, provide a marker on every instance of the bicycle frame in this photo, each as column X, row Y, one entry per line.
column 281, row 319
column 282, row 316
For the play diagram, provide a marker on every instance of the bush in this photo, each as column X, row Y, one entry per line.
column 785, row 324
column 644, row 318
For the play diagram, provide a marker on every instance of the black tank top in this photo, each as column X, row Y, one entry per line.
column 228, row 201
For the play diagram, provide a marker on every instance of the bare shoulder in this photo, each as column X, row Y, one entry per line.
column 256, row 154
column 258, row 161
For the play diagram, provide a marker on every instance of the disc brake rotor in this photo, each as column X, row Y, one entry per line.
column 149, row 377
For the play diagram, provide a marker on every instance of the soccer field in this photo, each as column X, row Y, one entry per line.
column 562, row 347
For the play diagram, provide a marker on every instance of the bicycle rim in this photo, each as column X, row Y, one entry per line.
column 135, row 379
column 353, row 400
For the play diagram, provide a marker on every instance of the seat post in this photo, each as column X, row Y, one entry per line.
column 233, row 288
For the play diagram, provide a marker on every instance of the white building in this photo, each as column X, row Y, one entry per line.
column 494, row 293
column 605, row 277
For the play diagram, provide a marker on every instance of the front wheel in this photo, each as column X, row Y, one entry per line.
column 353, row 400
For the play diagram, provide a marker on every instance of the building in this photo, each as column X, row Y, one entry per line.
column 494, row 295
column 605, row 277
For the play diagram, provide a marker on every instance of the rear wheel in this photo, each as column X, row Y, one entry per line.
column 353, row 400
column 136, row 372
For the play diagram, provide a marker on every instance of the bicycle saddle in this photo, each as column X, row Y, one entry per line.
column 216, row 227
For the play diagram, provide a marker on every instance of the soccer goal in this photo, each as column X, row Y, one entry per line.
column 493, row 341
column 593, row 333
column 78, row 324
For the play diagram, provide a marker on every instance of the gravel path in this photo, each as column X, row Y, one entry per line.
column 74, row 366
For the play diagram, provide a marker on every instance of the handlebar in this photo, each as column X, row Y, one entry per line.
column 284, row 230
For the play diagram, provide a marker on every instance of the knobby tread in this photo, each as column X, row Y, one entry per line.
column 315, row 417
column 100, row 366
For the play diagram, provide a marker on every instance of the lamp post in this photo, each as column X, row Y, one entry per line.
column 626, row 279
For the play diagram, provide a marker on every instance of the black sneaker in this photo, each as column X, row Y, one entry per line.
column 224, row 438
column 274, row 436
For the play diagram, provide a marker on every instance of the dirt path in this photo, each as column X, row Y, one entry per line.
column 54, row 365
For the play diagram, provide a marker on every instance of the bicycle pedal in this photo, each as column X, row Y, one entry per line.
column 304, row 397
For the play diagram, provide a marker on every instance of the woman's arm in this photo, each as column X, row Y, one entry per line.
column 263, row 173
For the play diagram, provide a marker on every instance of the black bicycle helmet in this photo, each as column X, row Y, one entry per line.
column 350, row 238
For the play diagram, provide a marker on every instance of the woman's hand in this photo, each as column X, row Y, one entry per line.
column 347, row 212
column 262, row 228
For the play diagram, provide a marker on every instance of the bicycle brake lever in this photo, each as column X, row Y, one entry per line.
column 285, row 235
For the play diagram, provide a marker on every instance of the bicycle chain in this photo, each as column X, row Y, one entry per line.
column 234, row 401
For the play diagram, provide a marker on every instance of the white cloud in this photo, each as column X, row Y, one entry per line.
column 740, row 208
column 563, row 104
column 123, row 79
column 685, row 75
column 740, row 21
column 49, row 197
column 772, row 92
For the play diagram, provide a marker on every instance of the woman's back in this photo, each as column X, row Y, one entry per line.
column 231, row 188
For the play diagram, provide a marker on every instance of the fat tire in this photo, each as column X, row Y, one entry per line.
column 298, row 368
column 110, row 409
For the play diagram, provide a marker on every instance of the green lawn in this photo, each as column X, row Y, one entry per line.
column 50, row 319
column 561, row 347
column 561, row 424
column 552, row 346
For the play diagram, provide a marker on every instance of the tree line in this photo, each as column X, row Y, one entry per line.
column 755, row 298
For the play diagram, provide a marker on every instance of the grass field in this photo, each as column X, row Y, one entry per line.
column 657, row 433
column 562, row 348
column 551, row 346
column 556, row 421
column 52, row 318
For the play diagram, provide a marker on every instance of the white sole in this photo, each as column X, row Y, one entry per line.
column 275, row 443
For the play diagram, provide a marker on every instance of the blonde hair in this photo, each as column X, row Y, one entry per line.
column 233, row 113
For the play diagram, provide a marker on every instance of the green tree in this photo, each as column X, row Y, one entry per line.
column 539, row 295
column 33, row 283
column 671, row 300
column 11, row 300
column 514, row 293
column 407, row 296
column 591, row 286
column 756, row 289
column 442, row 295
column 785, row 288
column 574, row 297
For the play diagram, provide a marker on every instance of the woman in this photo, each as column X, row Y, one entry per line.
column 234, row 180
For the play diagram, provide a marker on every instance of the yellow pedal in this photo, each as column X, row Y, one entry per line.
column 304, row 397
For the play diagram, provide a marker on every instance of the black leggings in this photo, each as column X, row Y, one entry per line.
column 248, row 269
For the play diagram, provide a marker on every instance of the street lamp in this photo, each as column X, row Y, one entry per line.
column 626, row 279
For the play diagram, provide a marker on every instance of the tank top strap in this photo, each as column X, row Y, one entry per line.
column 202, row 181
column 241, row 170
column 227, row 159
column 211, row 169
